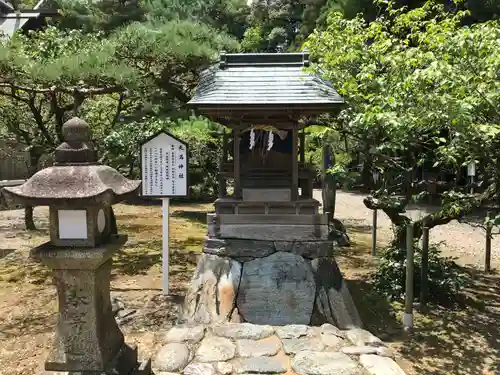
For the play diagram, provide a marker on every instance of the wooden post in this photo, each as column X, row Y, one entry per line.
column 374, row 233
column 236, row 163
column 424, row 267
column 302, row 147
column 408, row 314
column 487, row 255
column 295, row 163
column 222, row 179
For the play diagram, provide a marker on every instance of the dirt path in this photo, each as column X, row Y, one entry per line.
column 462, row 240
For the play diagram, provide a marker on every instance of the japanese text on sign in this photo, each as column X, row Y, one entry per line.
column 164, row 167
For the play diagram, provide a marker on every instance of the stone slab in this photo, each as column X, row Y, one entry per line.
column 253, row 348
column 244, row 249
column 266, row 195
column 324, row 363
column 292, row 331
column 302, row 219
column 238, row 248
column 377, row 365
column 268, row 232
column 261, row 365
column 277, row 290
column 77, row 258
column 242, row 331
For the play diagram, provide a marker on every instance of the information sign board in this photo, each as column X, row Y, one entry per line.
column 164, row 166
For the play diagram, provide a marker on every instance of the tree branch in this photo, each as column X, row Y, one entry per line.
column 39, row 119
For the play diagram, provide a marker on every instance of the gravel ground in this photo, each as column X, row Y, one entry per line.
column 462, row 240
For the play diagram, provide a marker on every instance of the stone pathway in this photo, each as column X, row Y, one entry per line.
column 244, row 348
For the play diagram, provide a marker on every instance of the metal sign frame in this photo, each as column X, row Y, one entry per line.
column 187, row 164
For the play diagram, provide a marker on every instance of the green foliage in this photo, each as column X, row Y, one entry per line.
column 419, row 85
column 445, row 278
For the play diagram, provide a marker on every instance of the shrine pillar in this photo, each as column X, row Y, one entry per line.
column 222, row 178
column 236, row 163
column 295, row 163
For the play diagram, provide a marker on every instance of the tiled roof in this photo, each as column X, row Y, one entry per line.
column 5, row 6
column 12, row 20
column 263, row 80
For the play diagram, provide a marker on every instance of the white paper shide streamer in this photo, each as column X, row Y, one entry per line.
column 252, row 139
column 270, row 140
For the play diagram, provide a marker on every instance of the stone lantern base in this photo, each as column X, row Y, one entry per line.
column 88, row 340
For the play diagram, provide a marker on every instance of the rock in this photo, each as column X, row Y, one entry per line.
column 252, row 348
column 171, row 357
column 243, row 331
column 188, row 334
column 292, row 346
column 211, row 296
column 238, row 248
column 215, row 349
column 224, row 368
column 386, row 352
column 116, row 304
column 361, row 337
column 376, row 365
column 332, row 341
column 125, row 316
column 292, row 331
column 199, row 369
column 306, row 249
column 328, row 329
column 261, row 365
column 359, row 350
column 277, row 290
column 333, row 302
column 324, row 363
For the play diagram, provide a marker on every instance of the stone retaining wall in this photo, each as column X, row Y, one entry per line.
column 228, row 349
column 269, row 282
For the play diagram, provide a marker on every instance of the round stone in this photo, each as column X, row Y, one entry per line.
column 172, row 357
column 215, row 349
column 76, row 130
column 277, row 290
column 101, row 221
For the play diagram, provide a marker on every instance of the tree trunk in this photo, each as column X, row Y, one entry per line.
column 34, row 158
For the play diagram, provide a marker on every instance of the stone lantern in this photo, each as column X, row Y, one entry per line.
column 80, row 192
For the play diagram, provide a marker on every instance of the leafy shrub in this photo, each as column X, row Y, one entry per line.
column 445, row 277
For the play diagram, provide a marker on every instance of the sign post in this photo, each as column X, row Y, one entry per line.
column 471, row 172
column 164, row 173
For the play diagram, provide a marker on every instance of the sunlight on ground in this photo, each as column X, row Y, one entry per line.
column 464, row 340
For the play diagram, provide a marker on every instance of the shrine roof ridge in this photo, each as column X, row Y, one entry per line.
column 260, row 81
column 263, row 59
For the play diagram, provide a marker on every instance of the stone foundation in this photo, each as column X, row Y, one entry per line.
column 269, row 282
column 227, row 349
